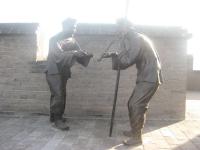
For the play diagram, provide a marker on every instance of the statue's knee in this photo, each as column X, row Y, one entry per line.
column 137, row 110
column 142, row 110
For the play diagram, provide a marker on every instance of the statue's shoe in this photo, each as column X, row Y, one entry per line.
column 133, row 141
column 59, row 124
column 52, row 119
column 128, row 133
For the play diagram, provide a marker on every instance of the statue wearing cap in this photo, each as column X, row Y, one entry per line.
column 136, row 48
column 64, row 51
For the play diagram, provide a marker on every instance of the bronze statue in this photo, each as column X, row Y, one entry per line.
column 137, row 49
column 64, row 51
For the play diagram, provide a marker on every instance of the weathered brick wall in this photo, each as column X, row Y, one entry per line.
column 193, row 80
column 90, row 90
column 20, row 89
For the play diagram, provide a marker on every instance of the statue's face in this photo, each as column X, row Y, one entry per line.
column 74, row 29
column 123, row 26
column 122, row 29
column 69, row 28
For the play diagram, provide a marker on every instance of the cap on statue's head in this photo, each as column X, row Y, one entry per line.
column 69, row 22
column 124, row 22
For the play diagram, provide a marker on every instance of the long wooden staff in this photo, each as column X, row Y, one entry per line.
column 116, row 85
column 115, row 101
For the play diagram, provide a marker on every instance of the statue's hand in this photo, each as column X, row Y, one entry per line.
column 109, row 54
column 90, row 54
column 78, row 53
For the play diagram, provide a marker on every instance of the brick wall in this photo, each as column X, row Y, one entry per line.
column 19, row 88
column 90, row 90
column 193, row 80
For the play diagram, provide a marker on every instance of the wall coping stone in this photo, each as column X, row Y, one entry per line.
column 100, row 29
column 18, row 28
column 152, row 31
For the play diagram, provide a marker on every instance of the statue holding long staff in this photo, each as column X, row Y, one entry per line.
column 136, row 49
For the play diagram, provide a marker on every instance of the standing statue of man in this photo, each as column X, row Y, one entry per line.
column 137, row 49
column 64, row 51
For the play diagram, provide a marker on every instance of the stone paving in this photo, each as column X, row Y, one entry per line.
column 34, row 132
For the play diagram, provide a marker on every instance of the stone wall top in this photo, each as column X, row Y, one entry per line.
column 153, row 31
column 99, row 29
column 18, row 28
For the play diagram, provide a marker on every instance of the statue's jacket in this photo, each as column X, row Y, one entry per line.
column 138, row 49
column 60, row 62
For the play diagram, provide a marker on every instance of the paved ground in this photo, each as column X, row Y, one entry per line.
column 35, row 133
column 29, row 132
